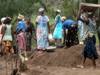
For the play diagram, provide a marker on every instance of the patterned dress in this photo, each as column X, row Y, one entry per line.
column 42, row 32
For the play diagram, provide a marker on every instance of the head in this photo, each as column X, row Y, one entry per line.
column 20, row 17
column 90, row 15
column 63, row 18
column 58, row 11
column 28, row 21
column 7, row 20
column 90, row 34
column 2, row 20
column 41, row 11
column 81, row 11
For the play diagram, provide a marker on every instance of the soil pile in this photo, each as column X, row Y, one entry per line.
column 69, row 57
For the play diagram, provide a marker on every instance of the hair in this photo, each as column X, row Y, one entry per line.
column 7, row 20
column 28, row 20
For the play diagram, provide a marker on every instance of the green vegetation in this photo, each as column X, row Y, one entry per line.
column 30, row 7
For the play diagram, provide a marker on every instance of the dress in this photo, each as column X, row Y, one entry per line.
column 21, row 35
column 7, row 39
column 42, row 32
column 57, row 34
column 8, row 33
column 90, row 49
column 80, row 30
column 21, row 41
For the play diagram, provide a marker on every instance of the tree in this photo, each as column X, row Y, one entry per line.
column 13, row 7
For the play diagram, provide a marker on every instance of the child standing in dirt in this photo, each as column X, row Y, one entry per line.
column 90, row 50
column 7, row 36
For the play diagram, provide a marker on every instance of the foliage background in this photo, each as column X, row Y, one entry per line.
column 29, row 7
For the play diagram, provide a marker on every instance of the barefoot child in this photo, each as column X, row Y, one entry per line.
column 7, row 36
column 90, row 49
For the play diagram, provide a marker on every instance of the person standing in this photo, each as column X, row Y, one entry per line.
column 42, row 23
column 21, row 36
column 90, row 50
column 57, row 34
column 82, row 27
column 30, row 30
column 7, row 36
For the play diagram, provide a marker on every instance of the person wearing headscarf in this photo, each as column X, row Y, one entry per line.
column 82, row 27
column 21, row 36
column 57, row 34
column 42, row 30
column 7, row 36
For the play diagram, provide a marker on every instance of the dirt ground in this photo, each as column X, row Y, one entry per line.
column 59, row 62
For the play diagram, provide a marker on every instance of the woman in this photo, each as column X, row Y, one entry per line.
column 29, row 33
column 82, row 27
column 57, row 34
column 42, row 22
column 21, row 36
column 7, row 36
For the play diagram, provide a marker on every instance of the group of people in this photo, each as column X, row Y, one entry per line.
column 19, row 38
column 87, row 31
column 66, row 32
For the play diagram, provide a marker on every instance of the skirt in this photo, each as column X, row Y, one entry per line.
column 21, row 41
column 90, row 48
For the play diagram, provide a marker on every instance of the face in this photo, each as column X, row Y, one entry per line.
column 41, row 13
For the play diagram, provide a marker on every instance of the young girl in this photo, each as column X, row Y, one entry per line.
column 7, row 36
column 90, row 49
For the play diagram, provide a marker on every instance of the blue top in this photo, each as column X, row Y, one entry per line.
column 21, row 26
column 57, row 34
column 67, row 24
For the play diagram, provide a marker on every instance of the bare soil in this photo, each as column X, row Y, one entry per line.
column 60, row 62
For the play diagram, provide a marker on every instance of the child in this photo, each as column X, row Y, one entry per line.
column 90, row 49
column 7, row 36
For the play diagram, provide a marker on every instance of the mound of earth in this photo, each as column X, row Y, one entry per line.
column 69, row 57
